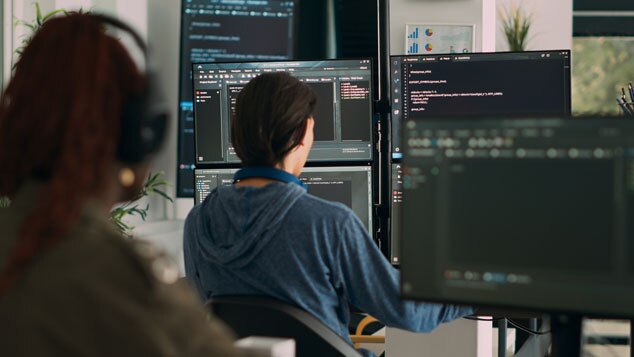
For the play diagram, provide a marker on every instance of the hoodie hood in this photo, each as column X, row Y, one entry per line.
column 233, row 224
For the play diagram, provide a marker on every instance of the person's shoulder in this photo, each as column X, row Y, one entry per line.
column 117, row 259
column 318, row 202
column 325, row 208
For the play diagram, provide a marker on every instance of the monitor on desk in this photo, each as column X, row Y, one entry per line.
column 350, row 185
column 477, row 84
column 534, row 214
column 343, row 117
column 226, row 30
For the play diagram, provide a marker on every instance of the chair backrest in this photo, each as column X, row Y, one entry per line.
column 264, row 316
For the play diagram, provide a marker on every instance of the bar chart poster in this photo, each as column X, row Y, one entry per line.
column 423, row 38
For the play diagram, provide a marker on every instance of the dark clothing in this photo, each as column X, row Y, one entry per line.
column 98, row 294
column 282, row 242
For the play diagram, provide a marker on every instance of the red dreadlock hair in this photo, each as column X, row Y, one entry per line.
column 59, row 121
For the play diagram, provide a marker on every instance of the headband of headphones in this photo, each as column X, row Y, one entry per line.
column 144, row 116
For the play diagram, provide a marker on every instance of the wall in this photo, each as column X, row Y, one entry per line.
column 2, row 48
column 164, row 39
column 7, row 39
column 134, row 12
column 478, row 12
column 552, row 24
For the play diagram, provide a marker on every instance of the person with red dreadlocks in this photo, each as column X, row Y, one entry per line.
column 77, row 126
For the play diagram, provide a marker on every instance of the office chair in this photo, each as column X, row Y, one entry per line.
column 264, row 316
column 359, row 337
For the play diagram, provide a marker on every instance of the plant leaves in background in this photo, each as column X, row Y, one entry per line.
column 601, row 66
column 516, row 25
column 153, row 185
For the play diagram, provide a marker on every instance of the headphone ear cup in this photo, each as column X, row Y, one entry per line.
column 143, row 126
column 144, row 117
column 129, row 150
column 154, row 129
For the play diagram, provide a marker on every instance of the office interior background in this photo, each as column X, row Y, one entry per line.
column 600, row 35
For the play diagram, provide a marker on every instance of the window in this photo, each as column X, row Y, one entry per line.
column 603, row 48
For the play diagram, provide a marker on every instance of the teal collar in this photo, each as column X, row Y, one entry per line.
column 270, row 173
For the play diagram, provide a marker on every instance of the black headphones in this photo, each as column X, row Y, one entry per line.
column 144, row 116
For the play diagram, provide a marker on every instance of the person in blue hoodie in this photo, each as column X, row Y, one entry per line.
column 265, row 235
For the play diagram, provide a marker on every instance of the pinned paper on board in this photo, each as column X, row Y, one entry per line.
column 421, row 38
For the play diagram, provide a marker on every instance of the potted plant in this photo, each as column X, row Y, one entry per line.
column 516, row 24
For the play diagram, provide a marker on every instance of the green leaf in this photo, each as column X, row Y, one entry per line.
column 53, row 13
column 153, row 185
column 516, row 26
column 38, row 13
column 164, row 195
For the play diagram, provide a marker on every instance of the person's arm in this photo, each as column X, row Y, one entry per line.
column 372, row 284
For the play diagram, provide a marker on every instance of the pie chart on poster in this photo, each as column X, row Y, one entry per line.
column 428, row 47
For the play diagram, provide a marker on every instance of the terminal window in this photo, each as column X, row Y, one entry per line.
column 343, row 117
column 226, row 30
column 460, row 85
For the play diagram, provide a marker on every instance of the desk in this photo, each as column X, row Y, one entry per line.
column 167, row 235
column 465, row 338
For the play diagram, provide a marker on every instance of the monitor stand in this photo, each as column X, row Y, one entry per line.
column 566, row 335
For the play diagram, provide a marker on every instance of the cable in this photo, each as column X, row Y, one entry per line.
column 473, row 318
column 525, row 329
column 511, row 322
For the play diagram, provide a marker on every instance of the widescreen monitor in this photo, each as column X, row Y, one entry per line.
column 478, row 84
column 343, row 117
column 533, row 214
column 350, row 185
column 226, row 30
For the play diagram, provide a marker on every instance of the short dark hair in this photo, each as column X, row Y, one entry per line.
column 270, row 118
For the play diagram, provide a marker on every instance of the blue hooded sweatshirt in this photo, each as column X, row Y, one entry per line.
column 282, row 242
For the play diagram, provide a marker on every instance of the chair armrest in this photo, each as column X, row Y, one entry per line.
column 359, row 337
column 367, row 339
column 365, row 322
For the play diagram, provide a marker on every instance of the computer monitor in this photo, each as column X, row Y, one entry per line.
column 396, row 201
column 478, row 84
column 343, row 118
column 226, row 30
column 350, row 185
column 533, row 214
